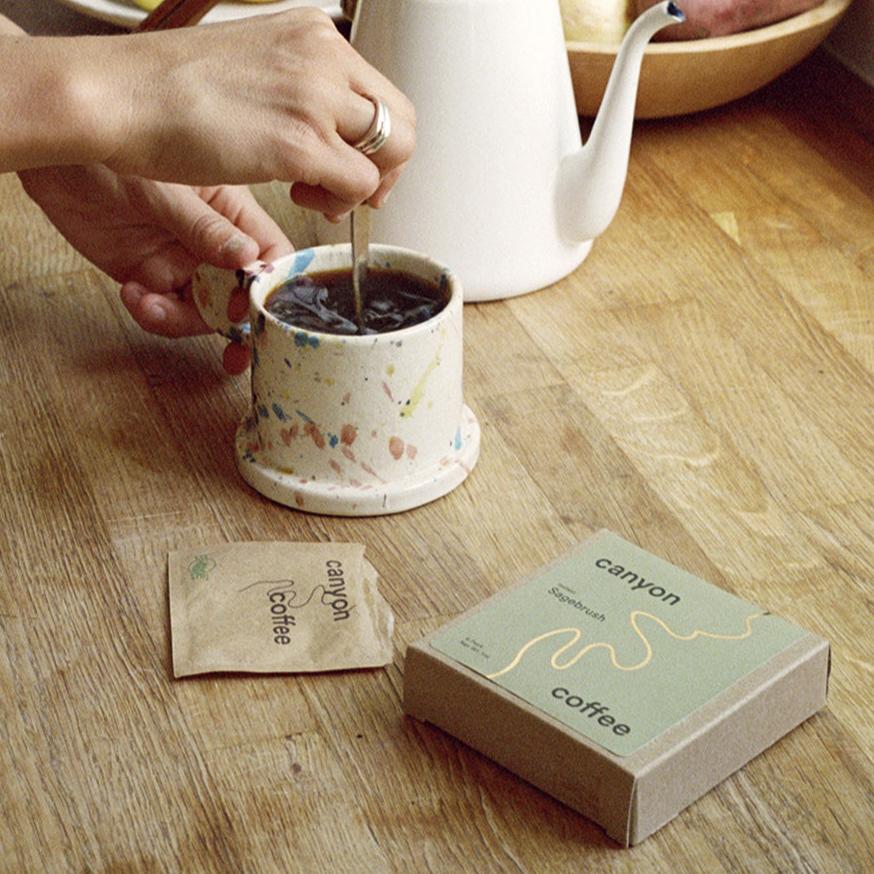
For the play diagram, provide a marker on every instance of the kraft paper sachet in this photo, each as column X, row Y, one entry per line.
column 276, row 608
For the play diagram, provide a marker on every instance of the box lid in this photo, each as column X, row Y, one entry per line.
column 566, row 679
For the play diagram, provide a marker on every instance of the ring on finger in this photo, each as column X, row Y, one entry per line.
column 377, row 134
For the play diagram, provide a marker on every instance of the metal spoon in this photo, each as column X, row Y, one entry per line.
column 360, row 256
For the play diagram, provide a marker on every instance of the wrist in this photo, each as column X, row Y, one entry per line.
column 102, row 88
column 130, row 81
column 46, row 101
column 73, row 106
column 94, row 93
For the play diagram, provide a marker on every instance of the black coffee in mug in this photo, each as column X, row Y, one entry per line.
column 325, row 302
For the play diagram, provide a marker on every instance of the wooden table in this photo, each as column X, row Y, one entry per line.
column 703, row 385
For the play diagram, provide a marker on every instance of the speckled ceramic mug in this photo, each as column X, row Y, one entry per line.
column 348, row 425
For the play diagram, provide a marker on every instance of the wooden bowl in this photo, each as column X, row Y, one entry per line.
column 681, row 77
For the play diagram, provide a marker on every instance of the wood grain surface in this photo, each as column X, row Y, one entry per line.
column 703, row 385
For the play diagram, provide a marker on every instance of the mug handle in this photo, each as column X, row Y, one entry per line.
column 211, row 289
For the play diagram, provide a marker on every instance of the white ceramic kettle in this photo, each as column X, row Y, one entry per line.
column 500, row 186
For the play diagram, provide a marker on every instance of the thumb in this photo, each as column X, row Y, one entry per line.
column 205, row 233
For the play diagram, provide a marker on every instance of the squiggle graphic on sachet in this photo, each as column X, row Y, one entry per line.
column 577, row 634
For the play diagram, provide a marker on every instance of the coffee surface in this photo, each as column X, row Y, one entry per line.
column 324, row 301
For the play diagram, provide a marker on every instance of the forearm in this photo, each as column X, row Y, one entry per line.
column 269, row 97
column 51, row 108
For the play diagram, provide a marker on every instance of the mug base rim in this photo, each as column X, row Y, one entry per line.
column 332, row 498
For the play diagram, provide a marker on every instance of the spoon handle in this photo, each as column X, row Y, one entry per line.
column 360, row 256
column 176, row 13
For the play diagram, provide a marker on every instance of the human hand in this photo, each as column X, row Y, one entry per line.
column 150, row 236
column 269, row 97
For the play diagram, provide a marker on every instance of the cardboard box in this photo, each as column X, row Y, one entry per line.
column 609, row 646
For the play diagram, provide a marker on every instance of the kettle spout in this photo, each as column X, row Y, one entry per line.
column 590, row 182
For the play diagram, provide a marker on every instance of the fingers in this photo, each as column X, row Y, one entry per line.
column 165, row 270
column 344, row 178
column 355, row 120
column 208, row 225
column 205, row 232
column 319, row 199
column 357, row 116
column 172, row 317
column 329, row 174
column 238, row 205
column 380, row 196
column 225, row 226
column 347, row 178
column 163, row 314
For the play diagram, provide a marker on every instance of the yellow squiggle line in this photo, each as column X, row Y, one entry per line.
column 577, row 634
column 418, row 391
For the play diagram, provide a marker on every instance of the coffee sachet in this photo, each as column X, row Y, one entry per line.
column 276, row 607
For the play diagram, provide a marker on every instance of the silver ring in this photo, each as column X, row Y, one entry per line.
column 380, row 128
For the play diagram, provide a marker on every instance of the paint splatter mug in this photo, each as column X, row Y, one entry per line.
column 348, row 425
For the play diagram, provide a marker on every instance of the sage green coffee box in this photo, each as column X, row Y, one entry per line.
column 618, row 683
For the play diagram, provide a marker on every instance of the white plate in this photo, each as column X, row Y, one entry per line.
column 126, row 13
